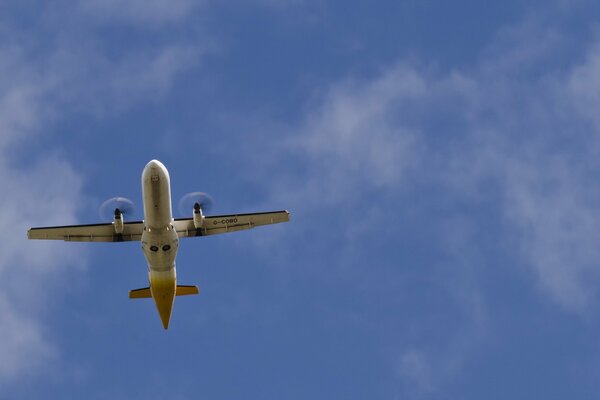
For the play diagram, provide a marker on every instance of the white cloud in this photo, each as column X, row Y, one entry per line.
column 356, row 138
column 583, row 85
column 522, row 133
column 45, row 191
column 554, row 204
column 22, row 87
column 151, row 75
column 23, row 344
column 90, row 81
column 415, row 366
column 143, row 13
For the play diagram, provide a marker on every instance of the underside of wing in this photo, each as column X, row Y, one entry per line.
column 132, row 231
column 216, row 224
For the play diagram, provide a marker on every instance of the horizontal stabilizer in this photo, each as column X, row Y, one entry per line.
column 143, row 293
column 184, row 290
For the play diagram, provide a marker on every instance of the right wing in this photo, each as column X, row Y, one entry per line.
column 89, row 233
column 228, row 223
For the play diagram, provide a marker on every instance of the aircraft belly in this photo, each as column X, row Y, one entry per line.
column 160, row 248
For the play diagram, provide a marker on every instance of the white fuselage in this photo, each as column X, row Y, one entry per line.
column 159, row 240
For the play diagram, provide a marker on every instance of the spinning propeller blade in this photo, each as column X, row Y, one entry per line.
column 116, row 205
column 192, row 200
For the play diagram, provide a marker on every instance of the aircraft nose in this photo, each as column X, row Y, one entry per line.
column 154, row 172
column 154, row 164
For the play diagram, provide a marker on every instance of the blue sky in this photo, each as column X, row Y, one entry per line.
column 439, row 160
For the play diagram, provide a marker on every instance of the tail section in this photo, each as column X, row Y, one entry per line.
column 164, row 296
column 145, row 293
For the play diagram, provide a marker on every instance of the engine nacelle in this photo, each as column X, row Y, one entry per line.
column 118, row 221
column 198, row 216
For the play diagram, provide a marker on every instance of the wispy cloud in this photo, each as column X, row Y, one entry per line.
column 44, row 191
column 142, row 13
column 92, row 82
column 530, row 136
column 354, row 138
column 24, row 346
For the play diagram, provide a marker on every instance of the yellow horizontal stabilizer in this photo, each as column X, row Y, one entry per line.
column 184, row 290
column 143, row 293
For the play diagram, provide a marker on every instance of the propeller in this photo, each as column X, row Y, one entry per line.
column 116, row 206
column 194, row 201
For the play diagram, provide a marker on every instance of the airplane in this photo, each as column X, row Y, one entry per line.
column 159, row 234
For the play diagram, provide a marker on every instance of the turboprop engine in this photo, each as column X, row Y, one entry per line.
column 116, row 208
column 198, row 216
column 118, row 221
column 200, row 201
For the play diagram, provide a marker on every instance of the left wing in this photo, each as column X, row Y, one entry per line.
column 89, row 233
column 228, row 223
